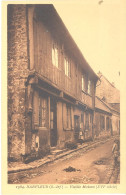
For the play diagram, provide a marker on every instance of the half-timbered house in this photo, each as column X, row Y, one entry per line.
column 51, row 87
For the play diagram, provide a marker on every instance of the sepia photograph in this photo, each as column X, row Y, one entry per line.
column 63, row 93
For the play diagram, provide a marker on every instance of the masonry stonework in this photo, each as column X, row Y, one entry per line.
column 17, row 74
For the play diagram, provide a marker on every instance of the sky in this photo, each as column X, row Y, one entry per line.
column 97, row 26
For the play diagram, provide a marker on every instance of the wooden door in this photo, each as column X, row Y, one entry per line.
column 76, row 127
column 53, row 123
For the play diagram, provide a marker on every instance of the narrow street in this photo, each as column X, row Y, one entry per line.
column 94, row 166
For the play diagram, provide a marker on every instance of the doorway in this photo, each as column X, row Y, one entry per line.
column 76, row 127
column 53, row 123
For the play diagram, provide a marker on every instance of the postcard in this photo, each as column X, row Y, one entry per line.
column 63, row 97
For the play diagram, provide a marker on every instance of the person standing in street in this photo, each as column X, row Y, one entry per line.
column 116, row 152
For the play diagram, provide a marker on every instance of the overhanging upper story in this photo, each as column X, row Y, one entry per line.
column 55, row 58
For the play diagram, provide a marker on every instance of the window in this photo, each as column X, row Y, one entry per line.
column 85, row 83
column 89, row 87
column 55, row 56
column 43, row 112
column 82, row 83
column 67, row 67
column 68, row 117
column 102, row 122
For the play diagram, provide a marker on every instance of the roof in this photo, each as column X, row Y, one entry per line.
column 115, row 106
column 112, row 108
column 107, row 90
column 51, row 19
column 101, row 105
column 101, row 75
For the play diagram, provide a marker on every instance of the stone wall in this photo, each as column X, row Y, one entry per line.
column 17, row 75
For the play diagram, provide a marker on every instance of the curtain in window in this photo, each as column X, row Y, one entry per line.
column 43, row 114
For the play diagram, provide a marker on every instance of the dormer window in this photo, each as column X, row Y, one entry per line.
column 55, row 55
column 67, row 66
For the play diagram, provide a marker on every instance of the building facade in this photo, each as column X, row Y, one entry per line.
column 107, row 91
column 51, row 87
column 110, row 95
column 103, row 119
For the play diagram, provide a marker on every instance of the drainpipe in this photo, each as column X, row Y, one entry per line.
column 93, row 101
column 93, row 126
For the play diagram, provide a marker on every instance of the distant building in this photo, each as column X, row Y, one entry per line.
column 51, row 87
column 107, row 91
column 103, row 119
column 110, row 95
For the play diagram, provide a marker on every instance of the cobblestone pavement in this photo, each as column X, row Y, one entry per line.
column 92, row 167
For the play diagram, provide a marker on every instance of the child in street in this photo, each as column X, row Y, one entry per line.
column 116, row 151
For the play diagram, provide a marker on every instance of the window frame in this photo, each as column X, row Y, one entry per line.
column 89, row 86
column 43, row 108
column 83, row 82
column 55, row 55
column 67, row 66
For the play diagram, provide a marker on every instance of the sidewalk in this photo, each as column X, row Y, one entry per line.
column 57, row 154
